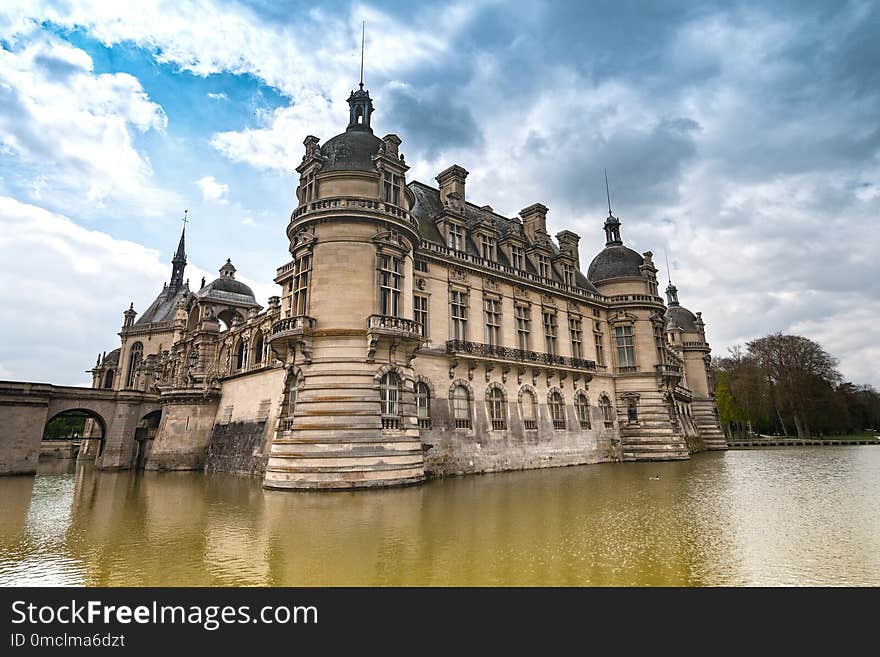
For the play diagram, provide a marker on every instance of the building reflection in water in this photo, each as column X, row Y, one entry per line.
column 700, row 523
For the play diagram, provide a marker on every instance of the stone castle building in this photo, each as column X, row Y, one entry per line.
column 416, row 334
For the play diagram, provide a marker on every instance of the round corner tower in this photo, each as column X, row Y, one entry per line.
column 346, row 333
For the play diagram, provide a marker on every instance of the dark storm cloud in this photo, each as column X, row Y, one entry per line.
column 429, row 120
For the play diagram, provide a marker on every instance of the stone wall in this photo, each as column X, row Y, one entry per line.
column 184, row 432
column 451, row 451
column 237, row 448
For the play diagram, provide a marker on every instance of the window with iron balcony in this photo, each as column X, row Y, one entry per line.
column 458, row 312
column 493, row 321
column 523, row 325
column 576, row 331
column 550, row 332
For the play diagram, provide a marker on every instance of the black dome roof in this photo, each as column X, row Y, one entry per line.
column 615, row 261
column 228, row 285
column 353, row 150
column 683, row 317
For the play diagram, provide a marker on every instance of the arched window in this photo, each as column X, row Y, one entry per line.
column 632, row 412
column 258, row 349
column 108, row 379
column 134, row 362
column 423, row 405
column 582, row 407
column 389, row 393
column 557, row 410
column 461, row 407
column 289, row 409
column 241, row 351
column 527, row 401
column 496, row 409
column 607, row 411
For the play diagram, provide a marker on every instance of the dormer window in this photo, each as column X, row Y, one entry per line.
column 568, row 273
column 455, row 237
column 516, row 257
column 544, row 266
column 393, row 184
column 488, row 250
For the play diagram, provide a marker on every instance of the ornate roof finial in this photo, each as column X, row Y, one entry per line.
column 612, row 223
column 668, row 270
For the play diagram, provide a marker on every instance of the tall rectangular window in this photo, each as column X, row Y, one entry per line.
column 544, row 266
column 392, row 189
column 523, row 314
column 568, row 273
column 600, row 350
column 389, row 285
column 299, row 296
column 420, row 265
column 550, row 331
column 455, row 237
column 310, row 187
column 493, row 321
column 458, row 311
column 576, row 332
column 420, row 313
column 488, row 247
column 516, row 257
column 626, row 351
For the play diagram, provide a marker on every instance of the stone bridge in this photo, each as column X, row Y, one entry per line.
column 25, row 408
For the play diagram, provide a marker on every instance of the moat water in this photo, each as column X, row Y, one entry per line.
column 788, row 516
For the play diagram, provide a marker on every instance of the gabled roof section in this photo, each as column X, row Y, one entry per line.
column 428, row 207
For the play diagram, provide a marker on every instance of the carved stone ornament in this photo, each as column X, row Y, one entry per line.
column 458, row 274
column 521, row 292
column 490, row 283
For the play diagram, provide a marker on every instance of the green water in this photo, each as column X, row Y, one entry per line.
column 790, row 516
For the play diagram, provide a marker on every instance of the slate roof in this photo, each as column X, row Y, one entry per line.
column 428, row 206
column 683, row 317
column 228, row 290
column 164, row 307
column 615, row 261
column 353, row 150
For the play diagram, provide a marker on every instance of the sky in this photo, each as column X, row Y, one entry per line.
column 740, row 138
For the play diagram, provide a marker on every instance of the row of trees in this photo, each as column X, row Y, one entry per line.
column 789, row 385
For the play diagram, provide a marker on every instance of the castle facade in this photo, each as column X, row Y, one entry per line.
column 416, row 334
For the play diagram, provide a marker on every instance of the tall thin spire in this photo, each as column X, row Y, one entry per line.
column 671, row 290
column 607, row 192
column 363, row 37
column 178, row 262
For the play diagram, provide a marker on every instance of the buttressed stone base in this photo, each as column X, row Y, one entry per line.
column 185, row 430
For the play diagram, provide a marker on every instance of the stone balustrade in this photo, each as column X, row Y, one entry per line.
column 354, row 204
column 291, row 326
column 396, row 325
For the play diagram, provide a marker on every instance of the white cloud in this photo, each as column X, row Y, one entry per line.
column 73, row 127
column 212, row 190
column 313, row 60
column 217, row 96
column 71, row 286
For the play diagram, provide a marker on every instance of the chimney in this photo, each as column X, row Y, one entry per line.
column 452, row 184
column 534, row 220
column 568, row 244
